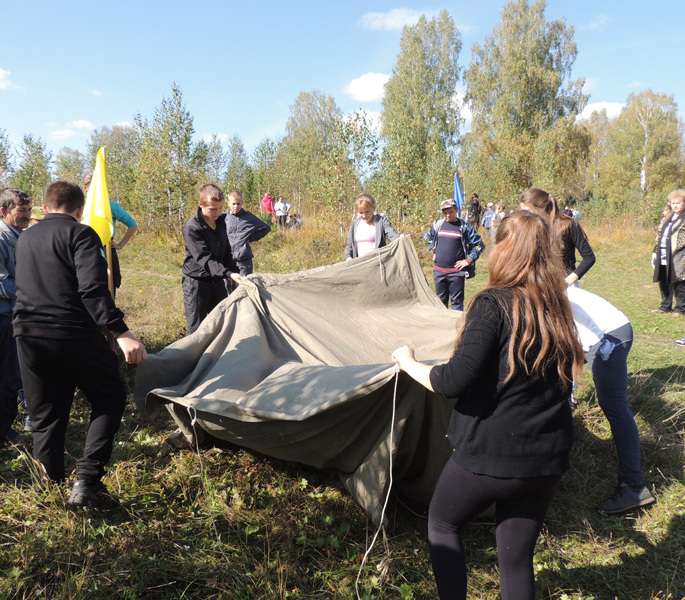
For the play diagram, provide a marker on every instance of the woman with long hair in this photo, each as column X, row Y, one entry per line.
column 509, row 380
column 568, row 236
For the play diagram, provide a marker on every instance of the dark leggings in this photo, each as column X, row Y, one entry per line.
column 520, row 506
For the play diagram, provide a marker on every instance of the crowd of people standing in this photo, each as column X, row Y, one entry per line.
column 523, row 344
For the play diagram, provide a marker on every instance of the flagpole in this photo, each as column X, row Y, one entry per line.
column 110, row 273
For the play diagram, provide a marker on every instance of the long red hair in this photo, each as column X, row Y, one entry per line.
column 542, row 328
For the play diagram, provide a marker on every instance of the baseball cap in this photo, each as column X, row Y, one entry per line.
column 449, row 203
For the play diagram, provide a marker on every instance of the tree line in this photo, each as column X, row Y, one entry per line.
column 526, row 129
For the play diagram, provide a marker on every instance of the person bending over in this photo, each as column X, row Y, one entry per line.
column 63, row 306
column 607, row 335
column 509, row 380
column 208, row 264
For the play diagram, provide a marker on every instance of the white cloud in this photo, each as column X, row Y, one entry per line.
column 369, row 87
column 590, row 84
column 613, row 109
column 96, row 93
column 5, row 82
column 81, row 124
column 394, row 19
column 62, row 134
column 598, row 23
column 123, row 124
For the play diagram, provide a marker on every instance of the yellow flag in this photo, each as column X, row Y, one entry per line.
column 97, row 212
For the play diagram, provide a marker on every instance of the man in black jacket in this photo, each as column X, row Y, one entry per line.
column 208, row 263
column 243, row 227
column 62, row 306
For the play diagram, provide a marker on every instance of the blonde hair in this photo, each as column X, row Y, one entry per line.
column 235, row 194
column 676, row 194
column 367, row 199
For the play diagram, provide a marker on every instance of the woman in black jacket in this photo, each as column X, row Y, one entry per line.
column 509, row 379
column 568, row 235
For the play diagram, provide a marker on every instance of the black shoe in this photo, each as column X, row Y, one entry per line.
column 663, row 309
column 626, row 498
column 91, row 493
column 10, row 437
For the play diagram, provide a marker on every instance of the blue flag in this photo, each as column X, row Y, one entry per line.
column 458, row 194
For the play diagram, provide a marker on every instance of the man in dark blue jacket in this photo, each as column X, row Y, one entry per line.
column 15, row 212
column 242, row 227
column 455, row 246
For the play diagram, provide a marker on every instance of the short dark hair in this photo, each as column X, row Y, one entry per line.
column 211, row 193
column 62, row 195
column 11, row 197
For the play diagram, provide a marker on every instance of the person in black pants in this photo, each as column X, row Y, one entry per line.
column 62, row 306
column 208, row 263
column 509, row 379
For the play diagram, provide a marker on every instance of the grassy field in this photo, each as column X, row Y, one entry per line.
column 229, row 524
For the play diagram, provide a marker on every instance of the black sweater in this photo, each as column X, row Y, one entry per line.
column 573, row 239
column 522, row 428
column 62, row 282
column 208, row 253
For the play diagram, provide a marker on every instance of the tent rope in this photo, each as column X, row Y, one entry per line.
column 192, row 413
column 387, row 495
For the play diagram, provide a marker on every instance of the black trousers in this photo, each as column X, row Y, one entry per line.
column 200, row 296
column 671, row 291
column 520, row 506
column 51, row 370
column 10, row 381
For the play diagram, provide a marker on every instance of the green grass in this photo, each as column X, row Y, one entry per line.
column 229, row 524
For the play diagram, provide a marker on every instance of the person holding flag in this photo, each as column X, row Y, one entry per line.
column 63, row 307
column 119, row 215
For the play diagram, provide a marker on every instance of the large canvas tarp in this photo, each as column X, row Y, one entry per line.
column 297, row 366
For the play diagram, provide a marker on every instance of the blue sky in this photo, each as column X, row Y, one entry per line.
column 66, row 67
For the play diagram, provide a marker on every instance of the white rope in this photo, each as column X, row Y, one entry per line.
column 387, row 495
column 192, row 413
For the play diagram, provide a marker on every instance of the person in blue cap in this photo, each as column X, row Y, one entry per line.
column 456, row 246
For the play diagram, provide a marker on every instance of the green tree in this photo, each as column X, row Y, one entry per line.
column 238, row 170
column 264, row 167
column 166, row 167
column 598, row 128
column 518, row 86
column 420, row 115
column 313, row 160
column 70, row 165
column 644, row 154
column 33, row 172
column 5, row 158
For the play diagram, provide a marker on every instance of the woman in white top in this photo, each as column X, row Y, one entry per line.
column 606, row 336
column 368, row 230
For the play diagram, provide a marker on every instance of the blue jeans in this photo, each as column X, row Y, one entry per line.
column 611, row 383
column 450, row 288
